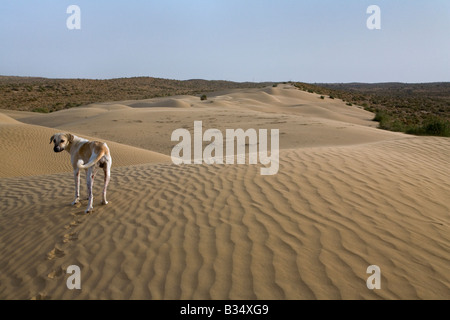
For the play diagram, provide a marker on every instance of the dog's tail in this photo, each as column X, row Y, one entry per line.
column 81, row 164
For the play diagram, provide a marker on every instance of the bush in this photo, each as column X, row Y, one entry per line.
column 203, row 97
column 380, row 115
column 412, row 108
column 331, row 97
column 433, row 126
column 275, row 85
column 41, row 110
column 322, row 97
column 388, row 122
column 69, row 105
column 437, row 127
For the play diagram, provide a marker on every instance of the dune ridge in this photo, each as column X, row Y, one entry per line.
column 303, row 119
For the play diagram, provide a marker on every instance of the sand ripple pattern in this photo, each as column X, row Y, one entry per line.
column 226, row 232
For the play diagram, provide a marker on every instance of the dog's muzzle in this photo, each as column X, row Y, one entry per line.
column 58, row 149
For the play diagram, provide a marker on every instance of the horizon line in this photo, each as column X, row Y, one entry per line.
column 201, row 79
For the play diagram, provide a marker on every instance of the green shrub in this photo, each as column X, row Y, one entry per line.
column 388, row 122
column 203, row 97
column 410, row 108
column 322, row 97
column 437, row 127
column 382, row 117
column 41, row 110
column 433, row 126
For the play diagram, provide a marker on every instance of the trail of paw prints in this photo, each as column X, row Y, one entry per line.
column 71, row 236
column 60, row 249
column 71, row 233
column 41, row 296
column 57, row 266
column 55, row 253
column 59, row 272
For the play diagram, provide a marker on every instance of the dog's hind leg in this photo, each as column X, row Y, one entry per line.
column 76, row 175
column 90, row 175
column 107, row 172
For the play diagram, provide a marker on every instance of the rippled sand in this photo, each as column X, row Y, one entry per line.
column 346, row 196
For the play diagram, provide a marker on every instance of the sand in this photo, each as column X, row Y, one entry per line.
column 347, row 195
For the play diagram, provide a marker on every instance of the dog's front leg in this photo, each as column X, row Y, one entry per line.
column 76, row 175
column 90, row 182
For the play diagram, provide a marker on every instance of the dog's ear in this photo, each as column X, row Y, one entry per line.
column 52, row 138
column 69, row 137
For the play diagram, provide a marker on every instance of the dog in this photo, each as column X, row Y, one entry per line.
column 85, row 154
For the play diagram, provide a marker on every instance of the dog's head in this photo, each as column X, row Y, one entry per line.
column 61, row 141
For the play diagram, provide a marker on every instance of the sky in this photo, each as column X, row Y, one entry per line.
column 237, row 40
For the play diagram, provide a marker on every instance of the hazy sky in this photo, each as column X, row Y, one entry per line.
column 239, row 40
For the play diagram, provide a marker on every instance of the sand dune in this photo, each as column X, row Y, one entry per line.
column 5, row 119
column 161, row 103
column 26, row 151
column 346, row 196
column 303, row 119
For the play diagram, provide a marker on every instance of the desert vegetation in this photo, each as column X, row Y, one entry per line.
column 420, row 109
column 48, row 95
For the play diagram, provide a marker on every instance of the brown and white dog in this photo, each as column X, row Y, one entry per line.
column 85, row 154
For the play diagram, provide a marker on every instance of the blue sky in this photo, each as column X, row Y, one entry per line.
column 238, row 40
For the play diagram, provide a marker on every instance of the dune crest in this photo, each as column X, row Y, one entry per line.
column 5, row 119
